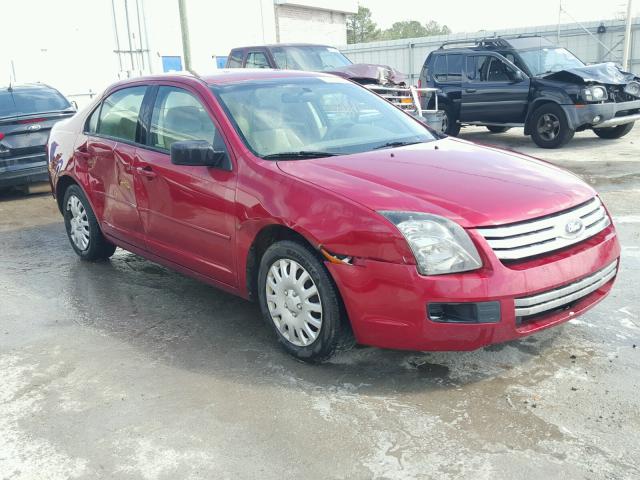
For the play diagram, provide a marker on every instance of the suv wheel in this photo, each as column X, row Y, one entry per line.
column 82, row 227
column 549, row 126
column 613, row 132
column 450, row 124
column 299, row 300
column 496, row 129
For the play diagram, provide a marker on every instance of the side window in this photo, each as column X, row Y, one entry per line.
column 256, row 60
column 476, row 67
column 235, row 59
column 454, row 68
column 119, row 113
column 91, row 125
column 440, row 68
column 177, row 116
column 499, row 71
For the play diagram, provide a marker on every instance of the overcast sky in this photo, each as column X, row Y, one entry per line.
column 474, row 15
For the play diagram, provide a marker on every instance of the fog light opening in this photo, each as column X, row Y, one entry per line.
column 464, row 312
column 597, row 119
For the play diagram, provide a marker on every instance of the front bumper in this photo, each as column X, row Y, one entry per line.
column 610, row 114
column 387, row 303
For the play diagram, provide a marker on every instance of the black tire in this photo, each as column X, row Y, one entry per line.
column 333, row 328
column 496, row 129
column 614, row 132
column 98, row 247
column 450, row 122
column 549, row 127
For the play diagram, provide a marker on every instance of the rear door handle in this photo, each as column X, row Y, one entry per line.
column 146, row 171
column 470, row 90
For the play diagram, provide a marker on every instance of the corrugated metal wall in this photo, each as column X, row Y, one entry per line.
column 408, row 55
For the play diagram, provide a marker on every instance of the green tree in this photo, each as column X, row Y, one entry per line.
column 361, row 28
column 413, row 29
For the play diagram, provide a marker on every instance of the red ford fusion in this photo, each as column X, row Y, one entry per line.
column 342, row 216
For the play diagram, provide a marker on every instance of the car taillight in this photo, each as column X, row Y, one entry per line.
column 1, row 135
column 419, row 83
column 31, row 120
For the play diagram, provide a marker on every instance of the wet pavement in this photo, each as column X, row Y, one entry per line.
column 127, row 370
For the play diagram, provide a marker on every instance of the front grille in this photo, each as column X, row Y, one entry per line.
column 552, row 299
column 399, row 96
column 539, row 236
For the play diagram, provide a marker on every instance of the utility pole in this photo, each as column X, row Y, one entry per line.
column 184, row 28
column 626, row 49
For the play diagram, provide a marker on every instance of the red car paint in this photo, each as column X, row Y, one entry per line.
column 203, row 221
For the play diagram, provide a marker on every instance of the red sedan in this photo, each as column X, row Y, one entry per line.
column 341, row 215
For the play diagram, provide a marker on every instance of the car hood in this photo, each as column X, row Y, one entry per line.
column 606, row 73
column 470, row 184
column 382, row 74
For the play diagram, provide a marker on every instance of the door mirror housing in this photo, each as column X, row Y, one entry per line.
column 518, row 76
column 197, row 153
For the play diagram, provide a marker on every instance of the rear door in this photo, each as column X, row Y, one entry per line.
column 491, row 92
column 109, row 152
column 26, row 118
column 187, row 210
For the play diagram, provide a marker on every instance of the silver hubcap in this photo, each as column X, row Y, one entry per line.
column 445, row 123
column 548, row 126
column 294, row 302
column 79, row 223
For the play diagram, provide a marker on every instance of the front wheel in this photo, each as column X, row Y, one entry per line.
column 614, row 132
column 549, row 126
column 82, row 227
column 299, row 300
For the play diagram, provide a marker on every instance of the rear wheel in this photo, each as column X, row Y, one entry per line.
column 496, row 129
column 82, row 227
column 450, row 124
column 613, row 132
column 299, row 300
column 549, row 126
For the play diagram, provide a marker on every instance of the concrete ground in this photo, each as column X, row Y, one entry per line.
column 127, row 370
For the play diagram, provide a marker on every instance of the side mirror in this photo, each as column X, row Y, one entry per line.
column 74, row 104
column 197, row 153
column 518, row 76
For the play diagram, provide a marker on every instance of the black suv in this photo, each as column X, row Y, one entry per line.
column 530, row 82
column 27, row 113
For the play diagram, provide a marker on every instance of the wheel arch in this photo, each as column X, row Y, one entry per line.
column 64, row 182
column 533, row 106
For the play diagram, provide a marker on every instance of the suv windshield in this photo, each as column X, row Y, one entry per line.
column 314, row 117
column 25, row 101
column 309, row 58
column 549, row 60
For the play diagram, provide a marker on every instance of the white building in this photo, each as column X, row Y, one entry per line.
column 81, row 46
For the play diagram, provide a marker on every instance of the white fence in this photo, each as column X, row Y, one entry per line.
column 599, row 45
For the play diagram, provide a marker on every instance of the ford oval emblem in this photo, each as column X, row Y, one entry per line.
column 34, row 128
column 573, row 227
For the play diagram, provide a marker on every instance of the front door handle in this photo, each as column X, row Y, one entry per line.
column 146, row 172
column 470, row 90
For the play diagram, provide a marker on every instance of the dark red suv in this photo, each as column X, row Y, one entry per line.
column 341, row 215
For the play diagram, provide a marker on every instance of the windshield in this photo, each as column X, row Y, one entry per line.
column 315, row 117
column 549, row 60
column 313, row 59
column 26, row 101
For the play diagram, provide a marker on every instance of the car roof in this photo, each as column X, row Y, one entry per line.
column 28, row 86
column 226, row 76
column 272, row 45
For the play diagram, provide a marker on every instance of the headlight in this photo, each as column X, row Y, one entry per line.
column 633, row 88
column 595, row 94
column 438, row 244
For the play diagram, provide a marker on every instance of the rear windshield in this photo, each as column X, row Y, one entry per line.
column 33, row 100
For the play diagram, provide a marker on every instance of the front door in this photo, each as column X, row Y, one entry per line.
column 187, row 211
column 110, row 151
column 491, row 92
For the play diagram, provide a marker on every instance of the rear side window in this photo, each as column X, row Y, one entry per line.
column 178, row 116
column 25, row 101
column 119, row 113
column 235, row 59
column 256, row 60
column 454, row 68
column 440, row 68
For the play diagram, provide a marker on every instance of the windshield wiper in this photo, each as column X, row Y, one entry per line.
column 300, row 155
column 395, row 144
